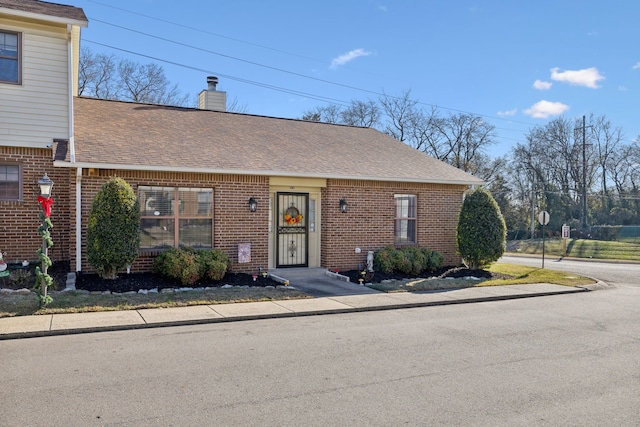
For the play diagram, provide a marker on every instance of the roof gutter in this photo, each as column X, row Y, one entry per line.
column 288, row 174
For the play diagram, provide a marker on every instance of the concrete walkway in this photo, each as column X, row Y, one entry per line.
column 332, row 296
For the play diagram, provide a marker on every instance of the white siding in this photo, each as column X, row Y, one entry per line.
column 36, row 112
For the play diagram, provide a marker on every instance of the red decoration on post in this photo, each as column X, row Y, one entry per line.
column 46, row 203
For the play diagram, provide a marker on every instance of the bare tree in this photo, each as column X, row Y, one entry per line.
column 606, row 140
column 107, row 77
column 97, row 76
column 464, row 138
column 147, row 83
column 361, row 113
column 329, row 114
column 236, row 107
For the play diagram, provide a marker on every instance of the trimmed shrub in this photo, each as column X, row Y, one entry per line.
column 435, row 261
column 383, row 261
column 188, row 265
column 214, row 264
column 417, row 259
column 112, row 228
column 481, row 232
column 401, row 262
column 178, row 264
column 408, row 260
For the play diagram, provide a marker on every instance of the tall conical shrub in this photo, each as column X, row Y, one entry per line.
column 481, row 233
column 113, row 238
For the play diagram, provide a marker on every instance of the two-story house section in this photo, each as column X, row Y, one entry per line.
column 39, row 51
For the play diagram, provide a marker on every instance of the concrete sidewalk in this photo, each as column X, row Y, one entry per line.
column 73, row 323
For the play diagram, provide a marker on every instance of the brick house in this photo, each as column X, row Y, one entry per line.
column 270, row 192
column 39, row 49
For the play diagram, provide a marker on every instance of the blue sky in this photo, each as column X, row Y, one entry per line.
column 517, row 64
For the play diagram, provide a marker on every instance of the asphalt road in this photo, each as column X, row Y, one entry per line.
column 555, row 360
column 613, row 273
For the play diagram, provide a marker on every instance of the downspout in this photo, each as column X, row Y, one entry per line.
column 72, row 151
column 78, row 219
column 72, row 146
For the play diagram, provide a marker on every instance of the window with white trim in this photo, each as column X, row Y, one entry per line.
column 10, row 182
column 173, row 217
column 405, row 218
column 10, row 67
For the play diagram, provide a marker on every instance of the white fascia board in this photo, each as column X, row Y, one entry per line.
column 59, row 163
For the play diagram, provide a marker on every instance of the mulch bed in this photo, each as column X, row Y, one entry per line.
column 443, row 273
column 135, row 281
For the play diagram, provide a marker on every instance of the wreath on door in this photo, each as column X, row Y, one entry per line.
column 292, row 216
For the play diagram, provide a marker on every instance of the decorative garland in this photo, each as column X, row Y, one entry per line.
column 43, row 279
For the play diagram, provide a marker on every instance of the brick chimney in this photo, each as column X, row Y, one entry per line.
column 212, row 99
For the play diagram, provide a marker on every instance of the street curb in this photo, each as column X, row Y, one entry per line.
column 598, row 286
column 399, row 306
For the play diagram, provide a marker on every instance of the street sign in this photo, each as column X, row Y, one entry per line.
column 566, row 232
column 543, row 218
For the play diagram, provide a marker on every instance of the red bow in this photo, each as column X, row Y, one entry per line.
column 46, row 203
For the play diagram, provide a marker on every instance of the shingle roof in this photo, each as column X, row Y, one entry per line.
column 115, row 134
column 45, row 8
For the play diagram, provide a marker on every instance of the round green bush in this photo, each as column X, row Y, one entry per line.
column 435, row 261
column 417, row 259
column 383, row 261
column 112, row 228
column 401, row 262
column 188, row 265
column 214, row 264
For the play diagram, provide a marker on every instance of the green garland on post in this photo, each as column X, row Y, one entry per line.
column 43, row 279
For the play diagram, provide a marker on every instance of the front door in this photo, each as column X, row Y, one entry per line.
column 292, row 230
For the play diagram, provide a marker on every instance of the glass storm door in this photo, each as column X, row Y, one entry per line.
column 292, row 230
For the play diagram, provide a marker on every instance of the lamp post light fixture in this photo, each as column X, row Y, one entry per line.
column 45, row 200
column 46, row 185
column 253, row 204
column 343, row 205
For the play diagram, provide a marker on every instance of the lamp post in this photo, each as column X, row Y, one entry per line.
column 45, row 201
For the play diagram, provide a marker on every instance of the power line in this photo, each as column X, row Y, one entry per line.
column 267, row 66
column 200, row 30
column 238, row 79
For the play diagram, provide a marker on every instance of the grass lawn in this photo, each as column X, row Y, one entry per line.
column 517, row 275
column 579, row 248
column 12, row 304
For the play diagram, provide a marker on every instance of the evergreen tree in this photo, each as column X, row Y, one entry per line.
column 112, row 231
column 481, row 233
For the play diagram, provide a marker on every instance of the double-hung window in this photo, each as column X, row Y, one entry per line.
column 173, row 217
column 405, row 218
column 10, row 182
column 10, row 69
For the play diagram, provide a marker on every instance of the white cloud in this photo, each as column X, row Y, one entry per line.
column 588, row 77
column 541, row 85
column 637, row 66
column 545, row 109
column 343, row 59
column 622, row 88
column 508, row 113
